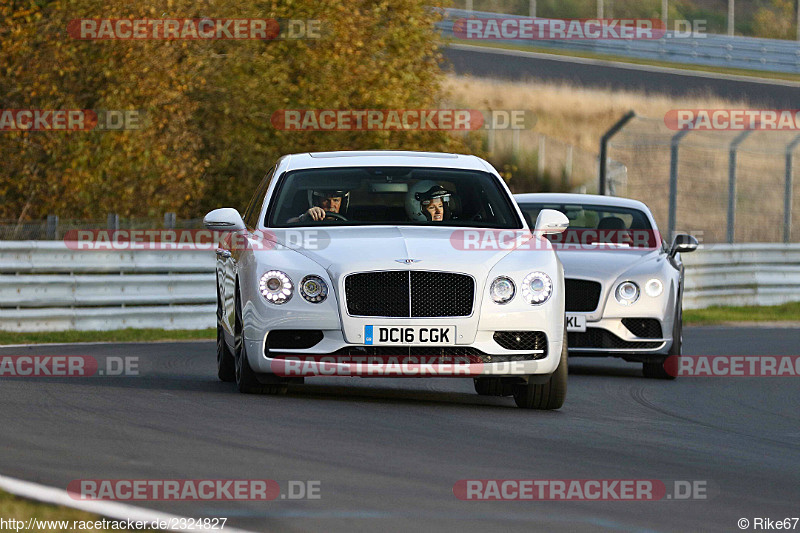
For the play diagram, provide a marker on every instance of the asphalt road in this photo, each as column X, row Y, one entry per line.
column 521, row 66
column 388, row 452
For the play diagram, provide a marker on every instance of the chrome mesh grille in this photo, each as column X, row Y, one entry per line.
column 404, row 293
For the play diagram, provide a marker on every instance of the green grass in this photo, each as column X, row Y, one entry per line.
column 13, row 507
column 789, row 312
column 119, row 335
column 635, row 61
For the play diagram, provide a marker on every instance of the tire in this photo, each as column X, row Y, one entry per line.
column 655, row 369
column 226, row 366
column 550, row 395
column 246, row 379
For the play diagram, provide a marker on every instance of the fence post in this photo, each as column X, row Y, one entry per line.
column 532, row 10
column 113, row 221
column 601, row 187
column 673, row 179
column 542, row 154
column 732, row 182
column 568, row 167
column 52, row 227
column 787, row 194
column 169, row 220
column 731, row 12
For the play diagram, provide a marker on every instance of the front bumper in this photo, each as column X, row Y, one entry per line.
column 611, row 336
column 334, row 356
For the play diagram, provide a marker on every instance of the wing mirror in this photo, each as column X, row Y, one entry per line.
column 683, row 244
column 225, row 219
column 550, row 222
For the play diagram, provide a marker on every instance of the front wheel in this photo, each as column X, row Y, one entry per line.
column 550, row 395
column 246, row 378
column 656, row 370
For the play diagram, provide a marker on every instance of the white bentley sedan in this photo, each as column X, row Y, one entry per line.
column 388, row 263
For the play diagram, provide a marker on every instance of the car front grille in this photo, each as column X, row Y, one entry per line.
column 602, row 338
column 582, row 295
column 409, row 293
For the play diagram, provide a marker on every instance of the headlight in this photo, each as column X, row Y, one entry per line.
column 276, row 287
column 654, row 287
column 314, row 289
column 502, row 290
column 627, row 293
column 537, row 288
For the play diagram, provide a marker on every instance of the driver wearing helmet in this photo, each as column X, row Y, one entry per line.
column 428, row 201
column 323, row 203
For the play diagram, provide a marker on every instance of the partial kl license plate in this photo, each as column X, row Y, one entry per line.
column 439, row 335
column 576, row 323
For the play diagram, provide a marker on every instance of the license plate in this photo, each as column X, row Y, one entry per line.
column 576, row 323
column 433, row 335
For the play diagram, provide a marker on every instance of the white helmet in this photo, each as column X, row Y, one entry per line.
column 420, row 195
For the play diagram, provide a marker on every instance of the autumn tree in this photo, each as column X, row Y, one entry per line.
column 206, row 137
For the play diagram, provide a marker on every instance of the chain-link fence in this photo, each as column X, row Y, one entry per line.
column 533, row 162
column 733, row 186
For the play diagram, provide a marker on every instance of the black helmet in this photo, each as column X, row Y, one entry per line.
column 315, row 197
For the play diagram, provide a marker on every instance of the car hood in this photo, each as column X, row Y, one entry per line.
column 358, row 249
column 602, row 263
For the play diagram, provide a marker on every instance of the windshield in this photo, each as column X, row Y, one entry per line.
column 391, row 196
column 599, row 225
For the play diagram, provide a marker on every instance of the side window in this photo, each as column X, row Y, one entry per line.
column 250, row 216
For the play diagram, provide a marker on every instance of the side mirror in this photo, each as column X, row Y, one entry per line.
column 225, row 219
column 683, row 244
column 550, row 222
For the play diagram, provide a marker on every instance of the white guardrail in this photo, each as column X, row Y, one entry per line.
column 46, row 286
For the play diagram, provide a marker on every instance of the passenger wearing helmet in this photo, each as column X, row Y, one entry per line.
column 428, row 201
column 324, row 203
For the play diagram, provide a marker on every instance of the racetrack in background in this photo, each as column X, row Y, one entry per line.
column 519, row 65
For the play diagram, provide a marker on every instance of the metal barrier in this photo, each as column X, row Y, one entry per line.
column 742, row 274
column 771, row 55
column 45, row 286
